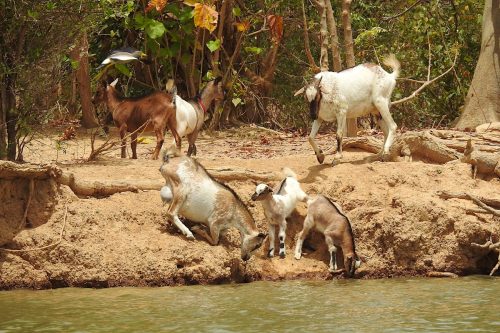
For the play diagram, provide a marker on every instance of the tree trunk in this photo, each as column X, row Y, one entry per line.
column 482, row 103
column 80, row 54
column 352, row 124
column 3, row 119
column 334, row 40
column 323, row 60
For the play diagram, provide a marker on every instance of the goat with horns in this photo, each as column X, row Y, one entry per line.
column 355, row 92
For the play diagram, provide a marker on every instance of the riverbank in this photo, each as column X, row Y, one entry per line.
column 402, row 226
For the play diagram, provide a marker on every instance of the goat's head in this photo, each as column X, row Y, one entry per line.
column 262, row 191
column 351, row 263
column 312, row 95
column 170, row 152
column 217, row 88
column 102, row 91
column 251, row 243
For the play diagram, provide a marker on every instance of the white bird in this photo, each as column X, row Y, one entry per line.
column 123, row 55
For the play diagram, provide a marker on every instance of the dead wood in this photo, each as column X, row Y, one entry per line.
column 486, row 203
column 103, row 188
column 486, row 163
column 11, row 170
column 490, row 246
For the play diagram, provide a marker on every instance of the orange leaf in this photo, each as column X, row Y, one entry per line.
column 242, row 26
column 205, row 17
column 158, row 4
column 276, row 27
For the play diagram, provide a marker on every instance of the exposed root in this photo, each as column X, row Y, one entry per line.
column 25, row 215
column 484, row 203
column 489, row 245
column 46, row 246
column 442, row 274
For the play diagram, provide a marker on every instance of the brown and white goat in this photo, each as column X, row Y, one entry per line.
column 354, row 92
column 327, row 217
column 192, row 193
column 130, row 114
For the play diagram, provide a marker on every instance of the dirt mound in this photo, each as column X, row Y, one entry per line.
column 401, row 225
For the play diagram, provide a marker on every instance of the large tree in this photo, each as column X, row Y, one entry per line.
column 482, row 103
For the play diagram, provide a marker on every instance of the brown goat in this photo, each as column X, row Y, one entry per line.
column 327, row 217
column 129, row 114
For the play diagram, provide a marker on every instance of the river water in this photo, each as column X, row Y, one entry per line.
column 470, row 304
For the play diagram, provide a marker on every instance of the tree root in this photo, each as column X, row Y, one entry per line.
column 489, row 245
column 485, row 203
column 442, row 274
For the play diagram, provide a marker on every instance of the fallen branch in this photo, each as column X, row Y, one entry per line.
column 104, row 188
column 481, row 162
column 489, row 245
column 46, row 246
column 11, row 170
column 462, row 195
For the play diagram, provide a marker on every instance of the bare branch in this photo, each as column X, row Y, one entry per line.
column 426, row 83
column 387, row 18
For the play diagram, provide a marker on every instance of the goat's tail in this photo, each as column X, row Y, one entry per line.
column 287, row 172
column 394, row 63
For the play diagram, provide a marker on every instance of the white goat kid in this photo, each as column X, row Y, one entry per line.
column 354, row 92
column 192, row 114
column 278, row 206
column 191, row 192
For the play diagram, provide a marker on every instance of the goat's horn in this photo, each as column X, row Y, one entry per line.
column 319, row 82
column 300, row 91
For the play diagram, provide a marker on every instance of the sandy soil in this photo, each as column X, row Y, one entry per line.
column 401, row 226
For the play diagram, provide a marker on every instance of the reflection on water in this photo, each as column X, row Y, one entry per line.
column 395, row 305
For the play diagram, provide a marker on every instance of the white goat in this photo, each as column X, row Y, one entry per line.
column 192, row 114
column 354, row 92
column 194, row 194
column 327, row 217
column 278, row 206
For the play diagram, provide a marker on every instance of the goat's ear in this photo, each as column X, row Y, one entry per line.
column 300, row 91
column 113, row 84
column 262, row 235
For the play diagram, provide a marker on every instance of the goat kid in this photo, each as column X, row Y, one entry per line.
column 195, row 195
column 354, row 92
column 192, row 114
column 130, row 114
column 278, row 206
column 327, row 217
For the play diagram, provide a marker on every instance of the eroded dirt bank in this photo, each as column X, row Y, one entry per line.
column 401, row 225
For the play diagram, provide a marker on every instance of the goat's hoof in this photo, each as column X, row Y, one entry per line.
column 270, row 254
column 297, row 256
column 190, row 237
column 282, row 255
column 320, row 158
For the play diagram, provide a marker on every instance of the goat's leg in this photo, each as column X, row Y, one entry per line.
column 332, row 249
column 123, row 133
column 382, row 104
column 272, row 234
column 172, row 126
column 314, row 131
column 213, row 238
column 159, row 142
column 172, row 214
column 341, row 126
column 308, row 224
column 133, row 145
column 282, row 236
column 192, row 146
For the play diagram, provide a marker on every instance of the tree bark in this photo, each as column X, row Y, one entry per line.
column 3, row 119
column 352, row 124
column 482, row 103
column 80, row 54
column 323, row 60
column 334, row 39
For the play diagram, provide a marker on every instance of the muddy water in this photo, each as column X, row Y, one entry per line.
column 391, row 305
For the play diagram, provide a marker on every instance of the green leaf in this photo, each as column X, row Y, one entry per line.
column 214, row 45
column 75, row 64
column 155, row 29
column 236, row 11
column 236, row 101
column 123, row 69
column 254, row 49
column 140, row 21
